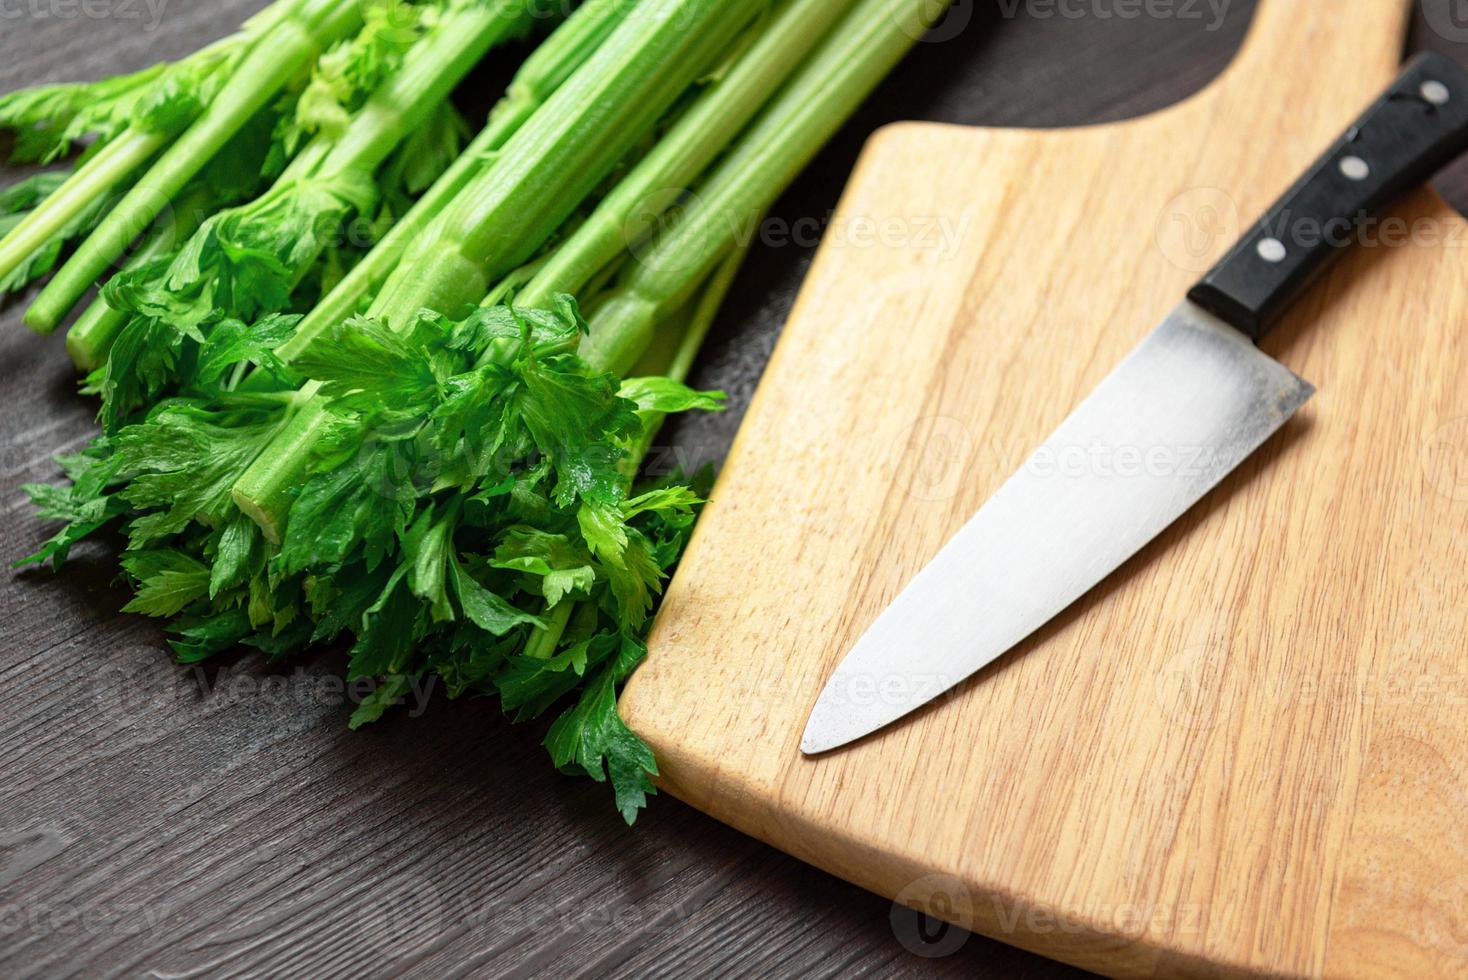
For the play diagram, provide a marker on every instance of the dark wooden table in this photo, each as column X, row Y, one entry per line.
column 163, row 821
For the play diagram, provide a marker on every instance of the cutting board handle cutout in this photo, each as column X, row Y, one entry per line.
column 1315, row 53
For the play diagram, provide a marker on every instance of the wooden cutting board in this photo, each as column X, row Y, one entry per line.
column 1247, row 751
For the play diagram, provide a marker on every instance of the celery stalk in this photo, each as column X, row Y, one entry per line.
column 111, row 166
column 867, row 44
column 541, row 74
column 279, row 54
column 91, row 336
column 543, row 173
column 629, row 212
column 559, row 156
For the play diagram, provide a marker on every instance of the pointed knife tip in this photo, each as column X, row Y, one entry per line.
column 820, row 738
column 811, row 741
column 809, row 746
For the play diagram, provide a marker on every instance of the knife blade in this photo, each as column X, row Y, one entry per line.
column 1191, row 402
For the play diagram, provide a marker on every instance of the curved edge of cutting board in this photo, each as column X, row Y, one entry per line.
column 1055, row 792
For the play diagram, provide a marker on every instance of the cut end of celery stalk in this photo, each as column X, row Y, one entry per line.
column 81, row 353
column 269, row 526
column 265, row 490
column 42, row 318
column 90, row 338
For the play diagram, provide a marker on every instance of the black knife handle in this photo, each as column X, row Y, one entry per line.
column 1407, row 135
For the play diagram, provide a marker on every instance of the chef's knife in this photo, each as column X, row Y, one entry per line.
column 1189, row 404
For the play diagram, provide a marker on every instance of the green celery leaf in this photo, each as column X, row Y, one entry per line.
column 634, row 580
column 391, row 628
column 564, row 569
column 339, row 601
column 234, row 546
column 388, row 692
column 87, row 505
column 167, row 581
column 530, row 686
column 591, row 737
column 204, row 636
column 666, row 396
column 233, row 342
column 666, row 502
column 604, row 529
column 48, row 120
column 488, row 610
column 142, row 362
column 428, row 545
column 350, row 70
column 366, row 355
column 578, row 420
column 184, row 460
column 357, row 504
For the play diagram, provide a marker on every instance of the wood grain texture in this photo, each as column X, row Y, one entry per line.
column 1246, row 753
column 158, row 821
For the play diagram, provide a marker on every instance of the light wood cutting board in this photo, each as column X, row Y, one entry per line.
column 1247, row 752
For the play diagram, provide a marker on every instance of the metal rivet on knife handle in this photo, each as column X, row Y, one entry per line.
column 1355, row 168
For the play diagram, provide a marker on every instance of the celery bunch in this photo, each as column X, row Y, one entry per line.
column 428, row 449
